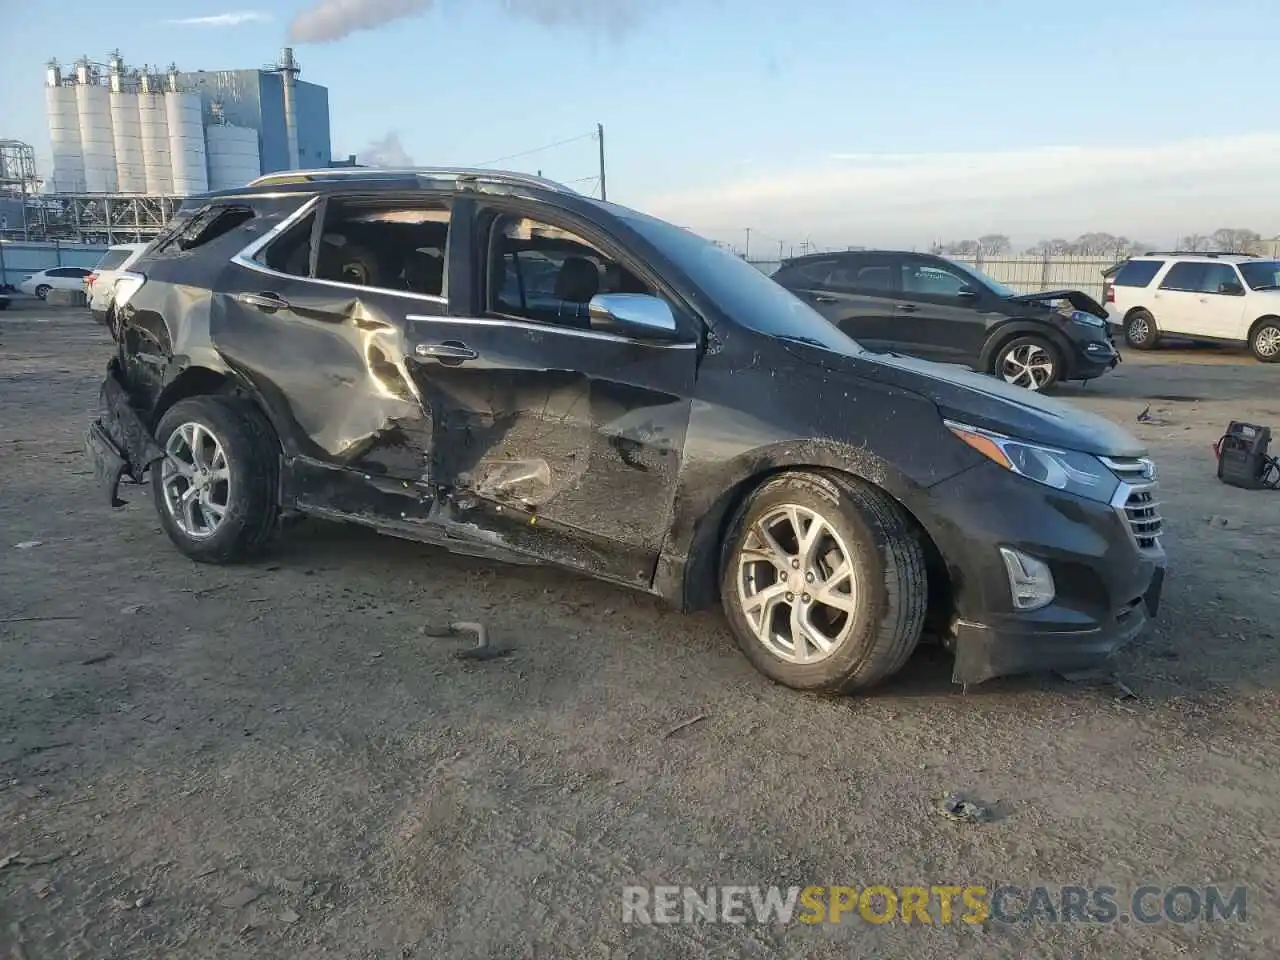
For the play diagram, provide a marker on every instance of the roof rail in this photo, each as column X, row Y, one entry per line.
column 478, row 174
column 1195, row 253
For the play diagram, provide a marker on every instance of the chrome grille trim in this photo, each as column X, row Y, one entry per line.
column 1135, row 500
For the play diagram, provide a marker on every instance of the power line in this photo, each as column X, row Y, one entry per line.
column 526, row 153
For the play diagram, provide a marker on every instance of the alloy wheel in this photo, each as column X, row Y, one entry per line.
column 796, row 585
column 1267, row 342
column 196, row 480
column 1027, row 365
column 1138, row 330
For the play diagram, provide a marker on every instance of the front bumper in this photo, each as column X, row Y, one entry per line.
column 1106, row 588
column 118, row 443
column 1093, row 358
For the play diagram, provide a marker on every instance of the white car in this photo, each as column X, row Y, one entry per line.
column 100, row 285
column 1229, row 298
column 55, row 278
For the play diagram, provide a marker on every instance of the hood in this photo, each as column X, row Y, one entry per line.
column 1081, row 301
column 983, row 401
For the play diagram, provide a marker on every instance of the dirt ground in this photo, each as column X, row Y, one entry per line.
column 274, row 761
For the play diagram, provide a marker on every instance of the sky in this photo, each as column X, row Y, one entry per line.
column 833, row 122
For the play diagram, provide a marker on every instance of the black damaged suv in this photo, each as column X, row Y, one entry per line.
column 938, row 309
column 494, row 363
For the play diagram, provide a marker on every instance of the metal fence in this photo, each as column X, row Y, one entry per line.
column 20, row 258
column 1026, row 274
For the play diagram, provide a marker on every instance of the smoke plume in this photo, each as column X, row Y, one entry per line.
column 387, row 152
column 329, row 20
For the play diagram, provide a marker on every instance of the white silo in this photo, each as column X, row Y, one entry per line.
column 64, row 133
column 186, row 139
column 155, row 135
column 93, row 104
column 234, row 158
column 126, row 126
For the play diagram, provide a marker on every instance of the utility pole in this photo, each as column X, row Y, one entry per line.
column 746, row 250
column 600, row 136
column 779, row 249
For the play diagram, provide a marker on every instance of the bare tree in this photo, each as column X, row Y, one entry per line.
column 1194, row 242
column 1229, row 240
column 961, row 248
column 993, row 244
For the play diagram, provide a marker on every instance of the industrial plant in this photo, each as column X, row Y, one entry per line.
column 130, row 143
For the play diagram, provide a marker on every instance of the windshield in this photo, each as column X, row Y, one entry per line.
column 1261, row 274
column 996, row 286
column 738, row 289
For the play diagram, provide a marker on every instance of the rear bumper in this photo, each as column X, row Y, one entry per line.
column 118, row 443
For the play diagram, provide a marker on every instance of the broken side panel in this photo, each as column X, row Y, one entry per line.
column 568, row 445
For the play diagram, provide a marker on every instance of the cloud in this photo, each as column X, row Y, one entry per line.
column 329, row 20
column 224, row 19
column 1160, row 190
column 387, row 152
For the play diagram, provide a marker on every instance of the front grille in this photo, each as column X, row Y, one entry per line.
column 1136, row 500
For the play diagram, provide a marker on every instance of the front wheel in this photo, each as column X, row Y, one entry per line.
column 823, row 583
column 42, row 291
column 215, row 490
column 1031, row 362
column 1264, row 341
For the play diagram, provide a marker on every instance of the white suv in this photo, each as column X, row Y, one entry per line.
column 1199, row 296
column 100, row 286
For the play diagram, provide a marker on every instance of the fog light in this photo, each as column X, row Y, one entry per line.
column 1030, row 580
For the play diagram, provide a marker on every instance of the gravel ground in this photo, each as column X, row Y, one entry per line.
column 274, row 761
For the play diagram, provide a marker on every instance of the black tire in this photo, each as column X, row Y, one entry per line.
column 42, row 291
column 888, row 570
column 1264, row 340
column 253, row 458
column 1140, row 330
column 1026, row 342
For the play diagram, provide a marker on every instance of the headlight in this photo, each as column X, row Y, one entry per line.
column 1080, row 473
column 1087, row 319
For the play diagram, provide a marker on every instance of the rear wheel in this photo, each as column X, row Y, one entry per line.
column 1031, row 362
column 1264, row 340
column 1140, row 331
column 823, row 583
column 215, row 490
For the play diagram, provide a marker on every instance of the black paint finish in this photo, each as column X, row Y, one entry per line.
column 425, row 417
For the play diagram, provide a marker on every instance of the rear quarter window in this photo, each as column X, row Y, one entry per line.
column 203, row 226
column 1138, row 273
column 112, row 259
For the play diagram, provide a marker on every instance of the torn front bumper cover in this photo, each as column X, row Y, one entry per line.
column 118, row 443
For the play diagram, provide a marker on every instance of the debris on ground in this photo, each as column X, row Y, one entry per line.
column 684, row 725
column 289, row 916
column 241, row 898
column 28, row 544
column 99, row 658
column 954, row 807
column 1222, row 523
column 34, row 619
column 483, row 650
column 131, row 609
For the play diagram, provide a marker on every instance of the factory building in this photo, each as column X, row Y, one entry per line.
column 124, row 131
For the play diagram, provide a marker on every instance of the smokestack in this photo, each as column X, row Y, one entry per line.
column 289, row 74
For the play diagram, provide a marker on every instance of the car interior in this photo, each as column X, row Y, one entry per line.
column 544, row 274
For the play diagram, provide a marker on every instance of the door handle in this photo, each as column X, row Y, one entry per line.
column 450, row 352
column 263, row 301
column 823, row 298
column 906, row 308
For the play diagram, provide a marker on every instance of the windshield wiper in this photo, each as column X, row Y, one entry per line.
column 1267, row 286
column 809, row 340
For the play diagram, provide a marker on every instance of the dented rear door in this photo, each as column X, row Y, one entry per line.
column 328, row 357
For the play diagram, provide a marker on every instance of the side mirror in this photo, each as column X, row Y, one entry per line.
column 1231, row 289
column 635, row 315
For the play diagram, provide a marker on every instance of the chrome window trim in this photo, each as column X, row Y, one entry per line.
column 245, row 259
column 552, row 328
